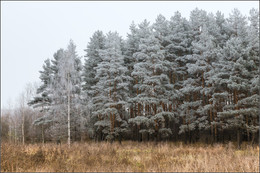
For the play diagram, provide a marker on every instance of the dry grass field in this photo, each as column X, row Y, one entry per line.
column 128, row 157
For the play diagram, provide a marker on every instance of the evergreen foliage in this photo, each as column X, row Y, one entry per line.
column 175, row 79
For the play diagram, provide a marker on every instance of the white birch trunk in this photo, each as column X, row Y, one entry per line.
column 68, row 111
column 15, row 133
column 23, row 125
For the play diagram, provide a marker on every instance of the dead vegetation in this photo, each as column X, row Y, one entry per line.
column 128, row 157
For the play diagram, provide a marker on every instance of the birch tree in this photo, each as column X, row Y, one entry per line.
column 66, row 89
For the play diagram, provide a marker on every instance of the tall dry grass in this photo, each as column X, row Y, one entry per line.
column 128, row 157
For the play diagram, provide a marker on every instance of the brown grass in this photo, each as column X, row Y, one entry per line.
column 128, row 157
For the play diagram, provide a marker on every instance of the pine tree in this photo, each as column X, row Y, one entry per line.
column 97, row 42
column 206, row 54
column 249, row 105
column 43, row 100
column 175, row 52
column 152, row 85
column 191, row 85
column 161, row 30
column 164, row 32
column 131, row 46
column 236, row 25
column 111, row 91
column 220, row 33
column 235, row 65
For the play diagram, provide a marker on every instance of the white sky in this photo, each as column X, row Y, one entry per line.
column 32, row 31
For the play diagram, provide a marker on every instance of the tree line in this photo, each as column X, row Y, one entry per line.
column 177, row 80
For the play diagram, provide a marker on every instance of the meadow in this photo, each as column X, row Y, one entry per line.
column 129, row 157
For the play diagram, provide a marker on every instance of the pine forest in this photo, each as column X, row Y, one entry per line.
column 182, row 80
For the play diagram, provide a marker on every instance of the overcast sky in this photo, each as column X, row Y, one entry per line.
column 32, row 31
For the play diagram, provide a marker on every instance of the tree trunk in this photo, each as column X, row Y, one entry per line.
column 139, row 109
column 131, row 111
column 173, row 78
column 15, row 133
column 247, row 131
column 211, row 119
column 114, row 123
column 23, row 126
column 155, row 110
column 238, row 138
column 215, row 126
column 238, row 129
column 202, row 81
column 111, row 123
column 253, row 138
column 185, row 137
column 68, row 111
column 135, row 112
column 10, row 129
column 170, row 76
column 42, row 135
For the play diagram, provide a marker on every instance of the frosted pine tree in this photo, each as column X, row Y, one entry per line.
column 163, row 32
column 249, row 105
column 197, row 19
column 111, row 91
column 233, row 64
column 47, row 100
column 191, row 85
column 233, row 57
column 220, row 33
column 42, row 99
column 97, row 42
column 135, row 108
column 175, row 52
column 132, row 46
column 152, row 85
column 237, row 25
column 205, row 54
